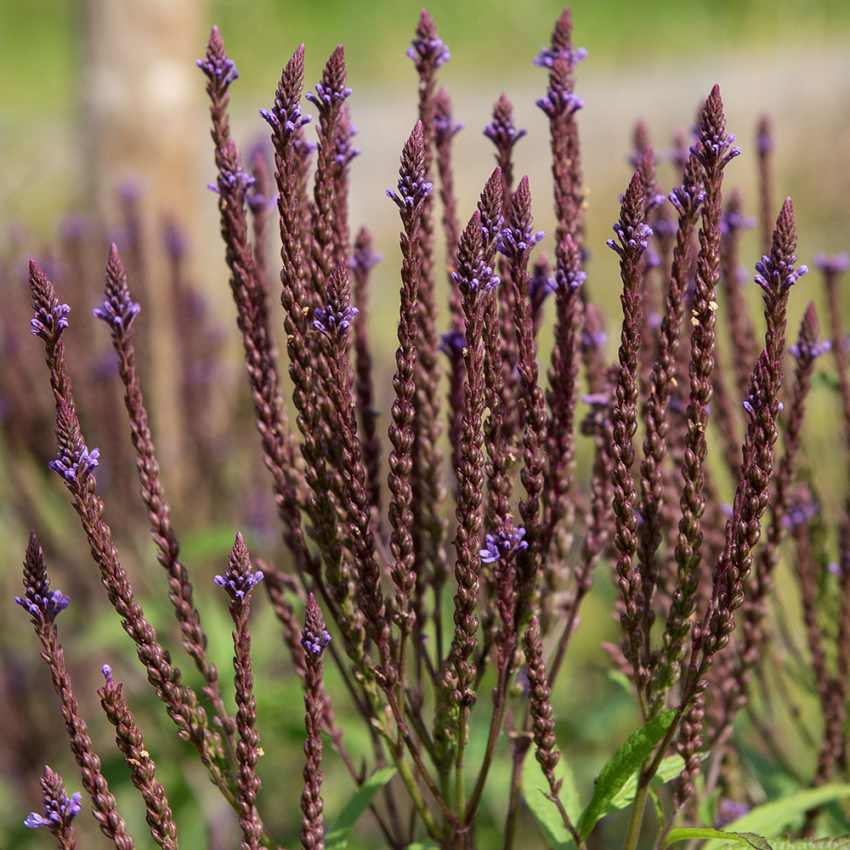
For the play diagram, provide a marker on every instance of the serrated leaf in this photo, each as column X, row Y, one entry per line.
column 535, row 787
column 623, row 764
column 337, row 838
column 689, row 833
column 774, row 818
column 840, row 843
column 668, row 770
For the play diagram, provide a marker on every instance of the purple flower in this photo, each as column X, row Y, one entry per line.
column 800, row 514
column 453, row 343
column 595, row 399
column 48, row 323
column 503, row 545
column 734, row 220
column 729, row 811
column 804, row 351
column 314, row 635
column 314, row 643
column 75, row 465
column 560, row 103
column 118, row 313
column 58, row 813
column 231, row 180
column 517, row 242
column 327, row 96
column 44, row 607
column 570, row 280
column 333, row 321
column 630, row 236
column 482, row 280
column 412, row 188
column 835, row 264
column 428, row 51
column 780, row 276
column 547, row 56
column 237, row 584
column 220, row 69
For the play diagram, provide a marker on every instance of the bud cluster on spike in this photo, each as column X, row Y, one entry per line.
column 631, row 230
column 428, row 51
column 314, row 635
column 560, row 101
column 219, row 69
column 472, row 275
column 331, row 92
column 239, row 579
column 74, row 462
column 715, row 147
column 518, row 238
column 286, row 117
column 568, row 275
column 335, row 319
column 412, row 186
column 776, row 273
column 59, row 809
column 501, row 130
column 117, row 309
column 503, row 545
column 51, row 317
column 344, row 151
column 547, row 56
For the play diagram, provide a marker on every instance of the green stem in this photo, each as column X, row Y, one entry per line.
column 638, row 808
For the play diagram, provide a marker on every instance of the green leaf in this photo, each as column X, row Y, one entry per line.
column 621, row 680
column 772, row 819
column 689, row 833
column 535, row 786
column 668, row 770
column 841, row 843
column 659, row 810
column 625, row 762
column 423, row 845
column 338, row 836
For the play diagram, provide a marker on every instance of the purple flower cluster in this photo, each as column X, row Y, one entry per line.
column 480, row 279
column 49, row 323
column 238, row 584
column 805, row 351
column 328, row 96
column 332, row 320
column 58, row 813
column 836, row 264
column 547, row 56
column 118, row 312
column 289, row 118
column 412, row 189
column 630, row 237
column 570, row 280
column 315, row 643
column 561, row 102
column 428, row 52
column 518, row 241
column 217, row 65
column 503, row 545
column 777, row 277
column 75, row 464
column 43, row 606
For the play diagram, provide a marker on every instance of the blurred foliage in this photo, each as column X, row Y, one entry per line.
column 40, row 53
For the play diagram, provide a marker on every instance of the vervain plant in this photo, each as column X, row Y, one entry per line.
column 440, row 621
